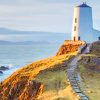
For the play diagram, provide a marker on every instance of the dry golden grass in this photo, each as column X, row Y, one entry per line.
column 56, row 86
column 43, row 79
column 73, row 42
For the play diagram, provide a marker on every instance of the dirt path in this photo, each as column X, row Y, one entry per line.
column 73, row 78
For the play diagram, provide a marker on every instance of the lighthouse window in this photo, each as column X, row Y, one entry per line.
column 75, row 20
column 75, row 28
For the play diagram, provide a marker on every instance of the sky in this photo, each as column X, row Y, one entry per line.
column 43, row 15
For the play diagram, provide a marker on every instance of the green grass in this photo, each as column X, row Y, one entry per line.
column 57, row 80
column 54, row 79
column 90, row 83
column 96, row 49
column 91, row 55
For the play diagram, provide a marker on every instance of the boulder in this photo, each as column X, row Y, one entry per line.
column 3, row 68
column 1, row 72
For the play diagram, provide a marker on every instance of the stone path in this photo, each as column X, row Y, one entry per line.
column 73, row 78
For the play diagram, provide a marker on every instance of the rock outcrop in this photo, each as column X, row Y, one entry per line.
column 91, row 60
column 1, row 72
column 69, row 46
column 95, row 48
column 3, row 68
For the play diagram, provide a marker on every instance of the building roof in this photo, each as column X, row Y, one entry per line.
column 84, row 5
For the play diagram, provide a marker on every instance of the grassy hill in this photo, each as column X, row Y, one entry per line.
column 39, row 80
column 89, row 66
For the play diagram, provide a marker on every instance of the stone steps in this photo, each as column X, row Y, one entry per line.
column 73, row 79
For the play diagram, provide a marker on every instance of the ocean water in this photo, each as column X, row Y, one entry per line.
column 17, row 56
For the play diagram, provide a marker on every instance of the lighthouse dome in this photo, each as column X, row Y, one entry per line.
column 84, row 5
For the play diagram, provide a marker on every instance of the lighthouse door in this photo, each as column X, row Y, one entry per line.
column 74, row 38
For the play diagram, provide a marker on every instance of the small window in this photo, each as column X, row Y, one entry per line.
column 75, row 28
column 75, row 20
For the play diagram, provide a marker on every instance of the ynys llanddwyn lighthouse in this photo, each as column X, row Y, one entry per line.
column 83, row 24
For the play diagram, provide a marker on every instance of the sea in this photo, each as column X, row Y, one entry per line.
column 16, row 56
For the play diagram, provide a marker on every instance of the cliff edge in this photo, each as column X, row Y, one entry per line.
column 45, row 79
column 39, row 80
column 69, row 46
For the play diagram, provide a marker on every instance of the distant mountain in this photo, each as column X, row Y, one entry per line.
column 36, row 36
column 10, row 31
column 2, row 42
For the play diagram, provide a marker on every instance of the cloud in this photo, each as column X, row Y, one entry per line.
column 47, row 17
column 43, row 15
column 30, row 1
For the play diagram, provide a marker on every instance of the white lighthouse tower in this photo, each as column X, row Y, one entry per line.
column 83, row 24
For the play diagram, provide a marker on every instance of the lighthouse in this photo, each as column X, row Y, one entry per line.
column 82, row 27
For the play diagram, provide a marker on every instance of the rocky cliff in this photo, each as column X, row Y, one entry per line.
column 69, row 46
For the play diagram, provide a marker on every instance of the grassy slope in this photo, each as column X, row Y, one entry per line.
column 42, row 79
column 55, row 82
column 91, row 80
column 90, row 83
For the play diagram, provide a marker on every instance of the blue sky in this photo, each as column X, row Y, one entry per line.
column 43, row 15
